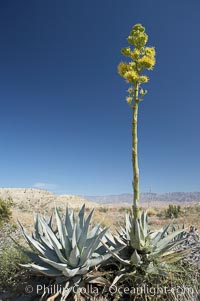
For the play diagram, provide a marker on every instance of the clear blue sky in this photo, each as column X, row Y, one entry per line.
column 64, row 123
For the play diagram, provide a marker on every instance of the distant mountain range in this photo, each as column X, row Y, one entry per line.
column 31, row 198
column 147, row 197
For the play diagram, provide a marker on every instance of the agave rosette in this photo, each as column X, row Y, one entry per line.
column 69, row 250
column 146, row 248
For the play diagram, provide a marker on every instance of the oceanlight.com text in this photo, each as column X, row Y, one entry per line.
column 113, row 290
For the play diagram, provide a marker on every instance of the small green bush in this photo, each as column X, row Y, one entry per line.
column 5, row 211
column 10, row 257
column 125, row 210
column 172, row 211
column 103, row 209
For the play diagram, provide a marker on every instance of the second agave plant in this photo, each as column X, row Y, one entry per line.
column 146, row 253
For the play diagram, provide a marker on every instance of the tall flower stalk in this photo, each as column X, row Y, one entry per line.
column 141, row 58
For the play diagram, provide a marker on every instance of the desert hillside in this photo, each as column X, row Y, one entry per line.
column 30, row 199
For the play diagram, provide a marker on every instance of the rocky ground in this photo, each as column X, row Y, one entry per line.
column 192, row 242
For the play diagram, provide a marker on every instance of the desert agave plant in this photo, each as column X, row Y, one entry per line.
column 144, row 250
column 153, row 251
column 68, row 251
column 140, row 59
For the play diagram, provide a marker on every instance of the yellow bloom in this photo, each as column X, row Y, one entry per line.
column 130, row 90
column 141, row 40
column 123, row 68
column 150, row 51
column 129, row 99
column 143, row 79
column 126, row 51
column 143, row 92
column 146, row 62
column 131, row 76
column 135, row 54
column 141, row 58
column 132, row 65
column 137, row 36
column 138, row 27
column 138, row 39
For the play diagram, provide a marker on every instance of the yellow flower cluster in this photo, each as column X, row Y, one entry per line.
column 142, row 57
column 138, row 28
column 135, row 54
column 132, row 65
column 143, row 79
column 150, row 51
column 129, row 72
column 131, row 76
column 146, row 62
column 126, row 51
column 123, row 68
column 138, row 37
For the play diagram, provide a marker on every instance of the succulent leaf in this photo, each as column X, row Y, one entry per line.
column 68, row 224
column 43, row 270
column 164, row 241
column 83, row 237
column 60, row 228
column 81, row 217
column 96, row 261
column 74, row 256
column 135, row 258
